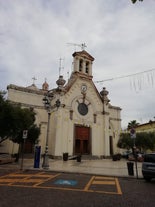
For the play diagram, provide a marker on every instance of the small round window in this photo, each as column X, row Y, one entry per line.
column 82, row 109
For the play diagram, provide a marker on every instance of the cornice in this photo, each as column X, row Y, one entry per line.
column 26, row 105
column 114, row 107
column 26, row 89
column 83, row 54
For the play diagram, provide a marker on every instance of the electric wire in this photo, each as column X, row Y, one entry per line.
column 126, row 76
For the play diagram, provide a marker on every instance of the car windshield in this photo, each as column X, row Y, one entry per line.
column 149, row 158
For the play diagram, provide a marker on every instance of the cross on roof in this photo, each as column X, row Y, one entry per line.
column 34, row 79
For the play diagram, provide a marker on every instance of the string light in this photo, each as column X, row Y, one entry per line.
column 125, row 76
column 137, row 80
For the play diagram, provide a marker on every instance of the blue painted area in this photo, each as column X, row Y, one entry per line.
column 66, row 182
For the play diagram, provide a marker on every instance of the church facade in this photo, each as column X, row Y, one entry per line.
column 85, row 121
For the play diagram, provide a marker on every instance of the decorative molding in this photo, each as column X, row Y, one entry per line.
column 114, row 119
column 114, row 107
column 26, row 89
column 27, row 105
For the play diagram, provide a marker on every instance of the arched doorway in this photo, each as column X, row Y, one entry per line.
column 82, row 139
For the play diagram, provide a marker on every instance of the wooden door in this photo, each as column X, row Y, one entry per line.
column 82, row 140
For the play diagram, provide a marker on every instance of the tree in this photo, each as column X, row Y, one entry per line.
column 132, row 124
column 14, row 119
column 143, row 141
column 134, row 1
column 125, row 141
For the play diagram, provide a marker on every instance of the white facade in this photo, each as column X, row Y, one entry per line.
column 84, row 123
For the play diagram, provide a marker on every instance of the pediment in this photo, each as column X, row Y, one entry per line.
column 83, row 54
column 74, row 89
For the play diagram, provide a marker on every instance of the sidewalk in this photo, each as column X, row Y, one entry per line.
column 105, row 167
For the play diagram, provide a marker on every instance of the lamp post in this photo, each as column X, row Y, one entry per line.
column 47, row 104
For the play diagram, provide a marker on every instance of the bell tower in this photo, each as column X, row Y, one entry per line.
column 83, row 63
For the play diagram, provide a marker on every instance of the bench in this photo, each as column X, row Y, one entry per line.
column 75, row 157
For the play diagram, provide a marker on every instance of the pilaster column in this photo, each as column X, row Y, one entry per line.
column 90, row 68
column 76, row 64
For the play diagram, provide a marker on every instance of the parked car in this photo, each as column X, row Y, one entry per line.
column 148, row 166
column 129, row 155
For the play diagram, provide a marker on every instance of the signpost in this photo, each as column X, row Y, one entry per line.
column 25, row 133
column 133, row 136
column 133, row 133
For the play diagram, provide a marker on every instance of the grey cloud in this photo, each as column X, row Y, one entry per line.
column 34, row 35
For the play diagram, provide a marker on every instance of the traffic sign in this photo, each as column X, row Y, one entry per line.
column 25, row 132
column 133, row 133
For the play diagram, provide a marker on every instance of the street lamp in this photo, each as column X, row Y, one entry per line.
column 47, row 104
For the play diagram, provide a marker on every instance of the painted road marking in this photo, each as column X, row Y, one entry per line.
column 97, row 181
column 66, row 182
column 49, row 178
column 118, row 187
column 103, row 178
column 103, row 182
column 36, row 179
column 97, row 184
column 89, row 183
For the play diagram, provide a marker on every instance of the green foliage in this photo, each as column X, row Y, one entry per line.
column 14, row 119
column 125, row 141
column 33, row 133
column 134, row 1
column 132, row 124
column 143, row 141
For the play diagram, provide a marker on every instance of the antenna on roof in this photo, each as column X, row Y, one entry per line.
column 83, row 45
column 60, row 65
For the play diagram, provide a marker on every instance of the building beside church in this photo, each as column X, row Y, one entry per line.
column 85, row 121
column 146, row 127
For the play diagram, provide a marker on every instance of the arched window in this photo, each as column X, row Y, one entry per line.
column 87, row 67
column 80, row 65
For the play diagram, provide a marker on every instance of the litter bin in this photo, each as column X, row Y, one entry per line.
column 65, row 156
column 130, row 168
column 78, row 158
column 37, row 156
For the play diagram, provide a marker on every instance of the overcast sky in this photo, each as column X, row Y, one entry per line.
column 118, row 34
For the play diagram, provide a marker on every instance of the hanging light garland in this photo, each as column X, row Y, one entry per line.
column 137, row 80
